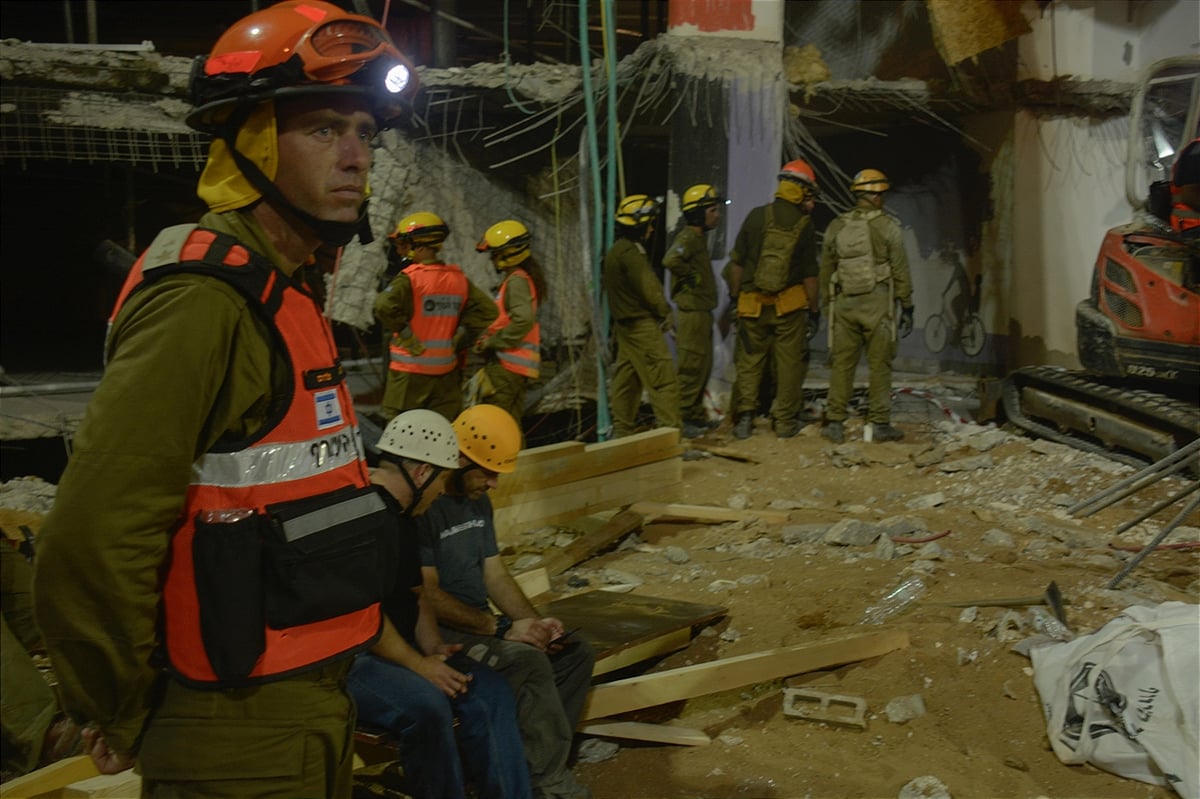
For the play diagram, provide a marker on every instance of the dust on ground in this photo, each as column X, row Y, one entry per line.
column 1000, row 500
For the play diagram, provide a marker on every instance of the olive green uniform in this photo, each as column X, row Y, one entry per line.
column 694, row 290
column 508, row 388
column 190, row 365
column 772, row 332
column 865, row 321
column 408, row 390
column 27, row 705
column 639, row 311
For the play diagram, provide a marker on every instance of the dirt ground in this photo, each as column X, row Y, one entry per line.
column 995, row 504
column 983, row 733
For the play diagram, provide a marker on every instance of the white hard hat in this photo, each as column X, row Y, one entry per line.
column 421, row 435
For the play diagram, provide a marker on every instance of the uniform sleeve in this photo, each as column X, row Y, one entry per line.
column 828, row 262
column 188, row 363
column 680, row 257
column 393, row 306
column 518, row 303
column 645, row 284
column 898, row 258
column 805, row 257
column 479, row 312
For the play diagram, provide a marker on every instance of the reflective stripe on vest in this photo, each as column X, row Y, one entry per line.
column 1184, row 217
column 439, row 292
column 310, row 448
column 526, row 357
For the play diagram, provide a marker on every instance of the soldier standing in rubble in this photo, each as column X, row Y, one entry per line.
column 222, row 424
column 772, row 274
column 434, row 312
column 641, row 319
column 694, row 290
column 864, row 275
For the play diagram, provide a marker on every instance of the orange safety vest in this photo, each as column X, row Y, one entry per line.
column 439, row 293
column 1184, row 217
column 219, row 620
column 525, row 358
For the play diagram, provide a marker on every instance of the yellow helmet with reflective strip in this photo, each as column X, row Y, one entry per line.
column 870, row 180
column 636, row 210
column 422, row 227
column 507, row 242
column 701, row 195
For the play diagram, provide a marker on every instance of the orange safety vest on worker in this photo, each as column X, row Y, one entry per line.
column 283, row 549
column 525, row 358
column 439, row 292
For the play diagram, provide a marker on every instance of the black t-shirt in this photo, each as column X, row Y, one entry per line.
column 401, row 605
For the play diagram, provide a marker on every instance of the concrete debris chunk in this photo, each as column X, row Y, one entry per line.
column 904, row 709
column 852, row 532
column 804, row 533
column 971, row 464
column 926, row 787
column 926, row 501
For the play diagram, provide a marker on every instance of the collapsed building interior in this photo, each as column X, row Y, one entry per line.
column 1003, row 128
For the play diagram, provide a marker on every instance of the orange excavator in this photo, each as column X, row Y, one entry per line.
column 1138, row 332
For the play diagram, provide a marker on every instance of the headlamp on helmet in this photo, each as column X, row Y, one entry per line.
column 299, row 47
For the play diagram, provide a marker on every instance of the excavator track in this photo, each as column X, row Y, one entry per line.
column 1133, row 426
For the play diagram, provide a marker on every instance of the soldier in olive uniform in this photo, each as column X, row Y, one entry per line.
column 773, row 276
column 863, row 277
column 641, row 317
column 694, row 290
column 222, row 396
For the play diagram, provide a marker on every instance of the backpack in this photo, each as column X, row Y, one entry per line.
column 857, row 272
column 775, row 258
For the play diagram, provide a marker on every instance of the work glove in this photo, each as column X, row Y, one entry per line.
column 906, row 321
column 814, row 322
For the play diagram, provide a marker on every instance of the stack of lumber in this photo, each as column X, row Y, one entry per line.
column 560, row 482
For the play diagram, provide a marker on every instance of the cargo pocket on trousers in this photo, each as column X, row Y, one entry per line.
column 227, row 563
column 202, row 750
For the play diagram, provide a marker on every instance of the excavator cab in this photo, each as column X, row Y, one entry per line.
column 1138, row 331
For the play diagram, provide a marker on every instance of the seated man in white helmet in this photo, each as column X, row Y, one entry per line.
column 549, row 672
column 411, row 682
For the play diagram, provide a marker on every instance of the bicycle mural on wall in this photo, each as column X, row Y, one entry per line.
column 958, row 320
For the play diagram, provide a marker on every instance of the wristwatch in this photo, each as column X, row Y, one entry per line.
column 503, row 625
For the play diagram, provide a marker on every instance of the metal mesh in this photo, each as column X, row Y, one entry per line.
column 128, row 128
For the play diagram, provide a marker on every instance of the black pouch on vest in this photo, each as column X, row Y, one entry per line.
column 328, row 555
column 227, row 564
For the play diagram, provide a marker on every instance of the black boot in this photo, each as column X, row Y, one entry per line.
column 744, row 426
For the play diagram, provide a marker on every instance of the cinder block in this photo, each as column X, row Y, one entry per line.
column 845, row 711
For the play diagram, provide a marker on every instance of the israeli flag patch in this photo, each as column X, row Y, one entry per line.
column 329, row 409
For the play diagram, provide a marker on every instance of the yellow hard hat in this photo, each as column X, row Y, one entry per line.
column 701, row 195
column 507, row 242
column 870, row 180
column 490, row 437
column 636, row 210
column 422, row 227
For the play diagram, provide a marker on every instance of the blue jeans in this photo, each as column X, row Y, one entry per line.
column 422, row 717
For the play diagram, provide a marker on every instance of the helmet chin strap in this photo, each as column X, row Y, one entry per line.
column 418, row 492
column 337, row 234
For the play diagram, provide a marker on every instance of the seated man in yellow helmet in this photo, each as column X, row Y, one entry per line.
column 550, row 674
column 432, row 312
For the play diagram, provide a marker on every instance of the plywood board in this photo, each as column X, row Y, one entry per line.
column 648, row 690
column 615, row 623
column 640, row 731
column 567, row 502
column 705, row 513
column 588, row 544
column 655, row 647
column 555, row 465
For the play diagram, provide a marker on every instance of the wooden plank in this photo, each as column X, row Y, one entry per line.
column 125, row 785
column 640, row 731
column 588, row 544
column 547, row 467
column 564, row 503
column 534, row 582
column 661, row 687
column 706, row 513
column 725, row 452
column 615, row 623
column 53, row 777
column 662, row 645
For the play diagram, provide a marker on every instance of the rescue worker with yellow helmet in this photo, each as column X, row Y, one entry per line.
column 694, row 292
column 772, row 276
column 431, row 312
column 641, row 319
column 864, row 276
column 221, row 424
column 465, row 575
column 512, row 343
